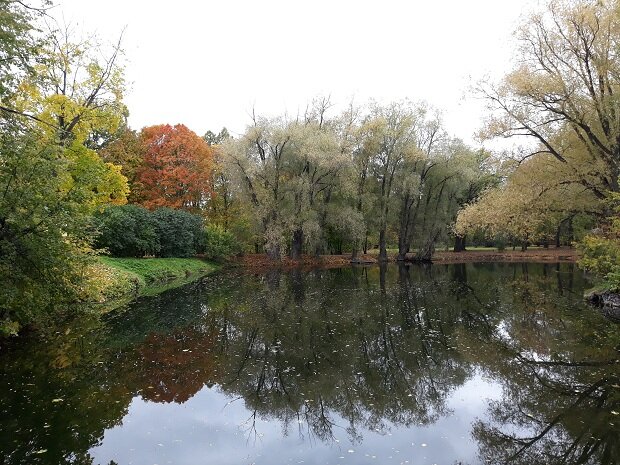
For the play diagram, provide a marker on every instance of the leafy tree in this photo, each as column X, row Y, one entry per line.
column 531, row 205
column 51, row 182
column 562, row 96
column 566, row 80
column 224, row 207
column 73, row 93
column 396, row 141
column 600, row 250
column 325, row 181
column 216, row 139
column 125, row 150
column 290, row 173
column 18, row 43
column 48, row 194
column 176, row 170
column 257, row 160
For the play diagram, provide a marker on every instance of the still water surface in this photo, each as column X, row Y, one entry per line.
column 471, row 364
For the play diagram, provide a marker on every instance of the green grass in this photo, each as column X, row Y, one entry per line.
column 481, row 248
column 127, row 278
column 506, row 249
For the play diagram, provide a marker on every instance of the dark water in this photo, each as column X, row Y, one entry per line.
column 452, row 364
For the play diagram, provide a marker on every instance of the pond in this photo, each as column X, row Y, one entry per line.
column 443, row 364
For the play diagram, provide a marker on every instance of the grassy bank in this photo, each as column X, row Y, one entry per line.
column 122, row 279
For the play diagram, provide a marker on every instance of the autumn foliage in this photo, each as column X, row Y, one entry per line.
column 177, row 168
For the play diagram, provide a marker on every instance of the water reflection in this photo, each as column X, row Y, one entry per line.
column 392, row 362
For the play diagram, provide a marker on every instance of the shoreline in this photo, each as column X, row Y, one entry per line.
column 551, row 255
column 127, row 279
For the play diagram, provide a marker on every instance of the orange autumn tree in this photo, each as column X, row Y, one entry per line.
column 177, row 168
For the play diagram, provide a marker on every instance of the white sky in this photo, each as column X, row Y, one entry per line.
column 207, row 63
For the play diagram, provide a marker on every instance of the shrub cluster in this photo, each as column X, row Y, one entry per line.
column 219, row 243
column 134, row 231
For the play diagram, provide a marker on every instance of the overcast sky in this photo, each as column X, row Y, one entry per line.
column 207, row 63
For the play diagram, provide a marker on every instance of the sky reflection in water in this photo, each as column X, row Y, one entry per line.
column 208, row 428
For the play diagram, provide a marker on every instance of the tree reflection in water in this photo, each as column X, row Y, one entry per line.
column 377, row 347
column 306, row 349
column 560, row 372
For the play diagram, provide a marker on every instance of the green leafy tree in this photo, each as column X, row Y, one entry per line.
column 50, row 181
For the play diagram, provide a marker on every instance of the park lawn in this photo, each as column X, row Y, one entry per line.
column 123, row 279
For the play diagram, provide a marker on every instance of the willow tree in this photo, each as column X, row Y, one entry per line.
column 359, row 138
column 418, row 163
column 256, row 161
column 395, row 135
column 288, row 170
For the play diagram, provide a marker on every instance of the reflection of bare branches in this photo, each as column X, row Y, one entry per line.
column 529, row 442
column 251, row 429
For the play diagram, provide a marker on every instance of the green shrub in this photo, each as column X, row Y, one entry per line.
column 127, row 231
column 179, row 232
column 601, row 255
column 219, row 243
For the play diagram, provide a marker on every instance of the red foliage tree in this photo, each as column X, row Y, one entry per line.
column 177, row 168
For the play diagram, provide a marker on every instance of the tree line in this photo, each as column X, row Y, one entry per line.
column 377, row 175
column 373, row 175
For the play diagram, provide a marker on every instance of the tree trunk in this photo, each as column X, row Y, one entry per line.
column 273, row 252
column 382, row 247
column 354, row 251
column 571, row 233
column 523, row 246
column 365, row 245
column 459, row 244
column 403, row 247
column 297, row 244
column 403, row 231
column 425, row 253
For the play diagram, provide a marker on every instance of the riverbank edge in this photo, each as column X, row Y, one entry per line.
column 606, row 299
column 551, row 255
column 119, row 281
column 122, row 280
